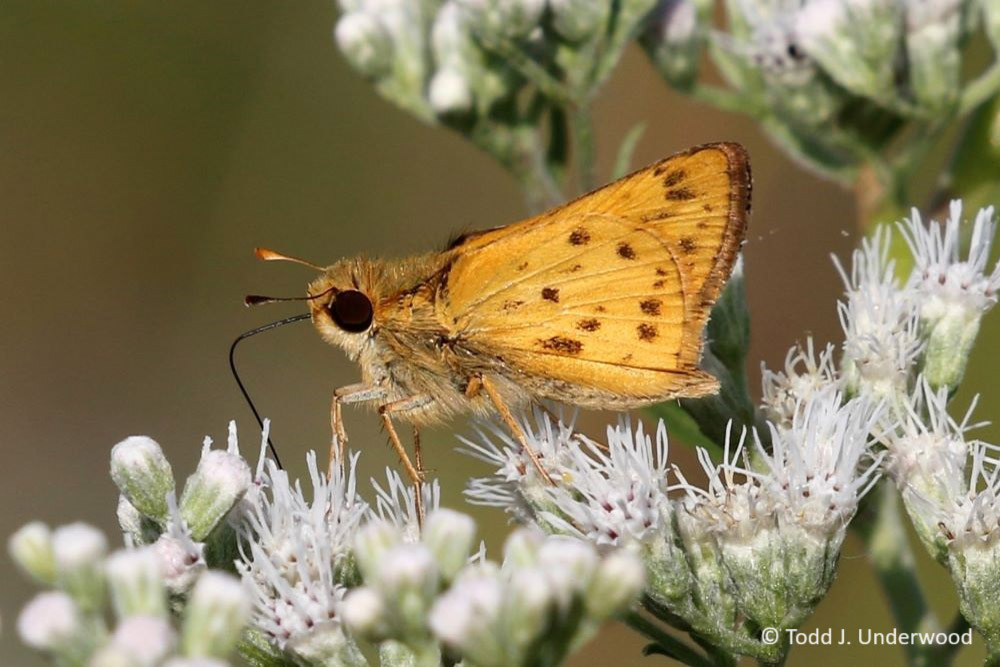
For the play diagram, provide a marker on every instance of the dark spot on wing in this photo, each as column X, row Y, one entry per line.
column 680, row 194
column 673, row 178
column 579, row 236
column 687, row 245
column 658, row 284
column 660, row 271
column 651, row 306
column 572, row 269
column 561, row 344
column 658, row 215
column 591, row 324
column 647, row 332
column 707, row 208
column 550, row 294
column 600, row 309
column 625, row 251
column 522, row 266
column 511, row 304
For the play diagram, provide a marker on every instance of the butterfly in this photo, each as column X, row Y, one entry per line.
column 600, row 303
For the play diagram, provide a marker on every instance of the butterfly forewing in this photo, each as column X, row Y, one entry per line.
column 614, row 288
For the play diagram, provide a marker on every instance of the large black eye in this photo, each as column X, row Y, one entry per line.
column 351, row 310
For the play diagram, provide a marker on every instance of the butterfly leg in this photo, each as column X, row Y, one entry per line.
column 352, row 393
column 515, row 428
column 414, row 472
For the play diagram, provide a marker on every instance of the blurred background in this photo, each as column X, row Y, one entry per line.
column 147, row 147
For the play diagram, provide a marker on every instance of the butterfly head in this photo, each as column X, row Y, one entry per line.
column 343, row 311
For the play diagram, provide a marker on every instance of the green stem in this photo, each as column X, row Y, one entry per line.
column 583, row 136
column 671, row 645
column 895, row 568
column 980, row 89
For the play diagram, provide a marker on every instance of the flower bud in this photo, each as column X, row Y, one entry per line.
column 577, row 20
column 854, row 42
column 136, row 582
column 949, row 340
column 364, row 612
column 617, row 583
column 521, row 548
column 31, row 548
column 146, row 639
column 674, row 38
column 50, row 622
column 569, row 564
column 181, row 562
column 143, row 475
column 79, row 552
column 528, row 604
column 932, row 49
column 449, row 92
column 371, row 543
column 408, row 577
column 509, row 19
column 365, row 43
column 219, row 482
column 449, row 535
column 466, row 616
column 216, row 613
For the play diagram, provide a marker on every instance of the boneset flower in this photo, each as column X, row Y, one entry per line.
column 953, row 293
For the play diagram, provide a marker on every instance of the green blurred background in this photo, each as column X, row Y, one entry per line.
column 147, row 147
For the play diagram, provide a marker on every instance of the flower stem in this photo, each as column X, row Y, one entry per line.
column 895, row 568
column 583, row 134
column 669, row 645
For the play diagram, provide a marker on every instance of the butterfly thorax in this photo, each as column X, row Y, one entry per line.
column 407, row 350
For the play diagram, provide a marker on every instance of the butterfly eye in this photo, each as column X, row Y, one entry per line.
column 352, row 311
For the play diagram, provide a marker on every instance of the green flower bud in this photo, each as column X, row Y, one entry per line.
column 215, row 487
column 371, row 543
column 855, row 43
column 577, row 20
column 143, row 475
column 136, row 582
column 31, row 548
column 215, row 615
column 618, row 581
column 79, row 552
column 932, row 48
column 449, row 535
column 365, row 614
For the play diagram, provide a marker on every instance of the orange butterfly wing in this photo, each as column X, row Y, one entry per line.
column 612, row 290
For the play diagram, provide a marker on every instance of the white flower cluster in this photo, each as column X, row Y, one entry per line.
column 69, row 623
column 830, row 80
column 711, row 555
column 327, row 577
column 906, row 345
column 548, row 595
column 898, row 330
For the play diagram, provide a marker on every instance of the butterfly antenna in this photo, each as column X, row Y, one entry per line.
column 274, row 256
column 258, row 299
column 236, row 375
